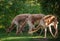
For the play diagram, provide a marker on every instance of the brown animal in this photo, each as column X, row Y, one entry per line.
column 19, row 19
column 22, row 19
column 47, row 21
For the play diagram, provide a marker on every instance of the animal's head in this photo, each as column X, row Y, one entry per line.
column 50, row 20
column 53, row 21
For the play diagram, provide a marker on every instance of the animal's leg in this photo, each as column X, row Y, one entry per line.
column 17, row 28
column 10, row 28
column 21, row 27
column 31, row 26
column 51, row 31
column 56, row 29
column 17, row 24
column 45, row 32
column 41, row 31
column 20, row 24
column 35, row 29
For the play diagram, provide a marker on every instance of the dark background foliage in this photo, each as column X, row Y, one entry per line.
column 10, row 8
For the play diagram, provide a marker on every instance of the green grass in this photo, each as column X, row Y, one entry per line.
column 13, row 37
column 21, row 37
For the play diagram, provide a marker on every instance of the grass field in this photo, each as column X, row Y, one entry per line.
column 22, row 37
column 13, row 37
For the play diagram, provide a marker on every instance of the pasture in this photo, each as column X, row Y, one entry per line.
column 24, row 37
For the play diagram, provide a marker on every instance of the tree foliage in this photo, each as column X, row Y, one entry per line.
column 10, row 8
column 50, row 6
